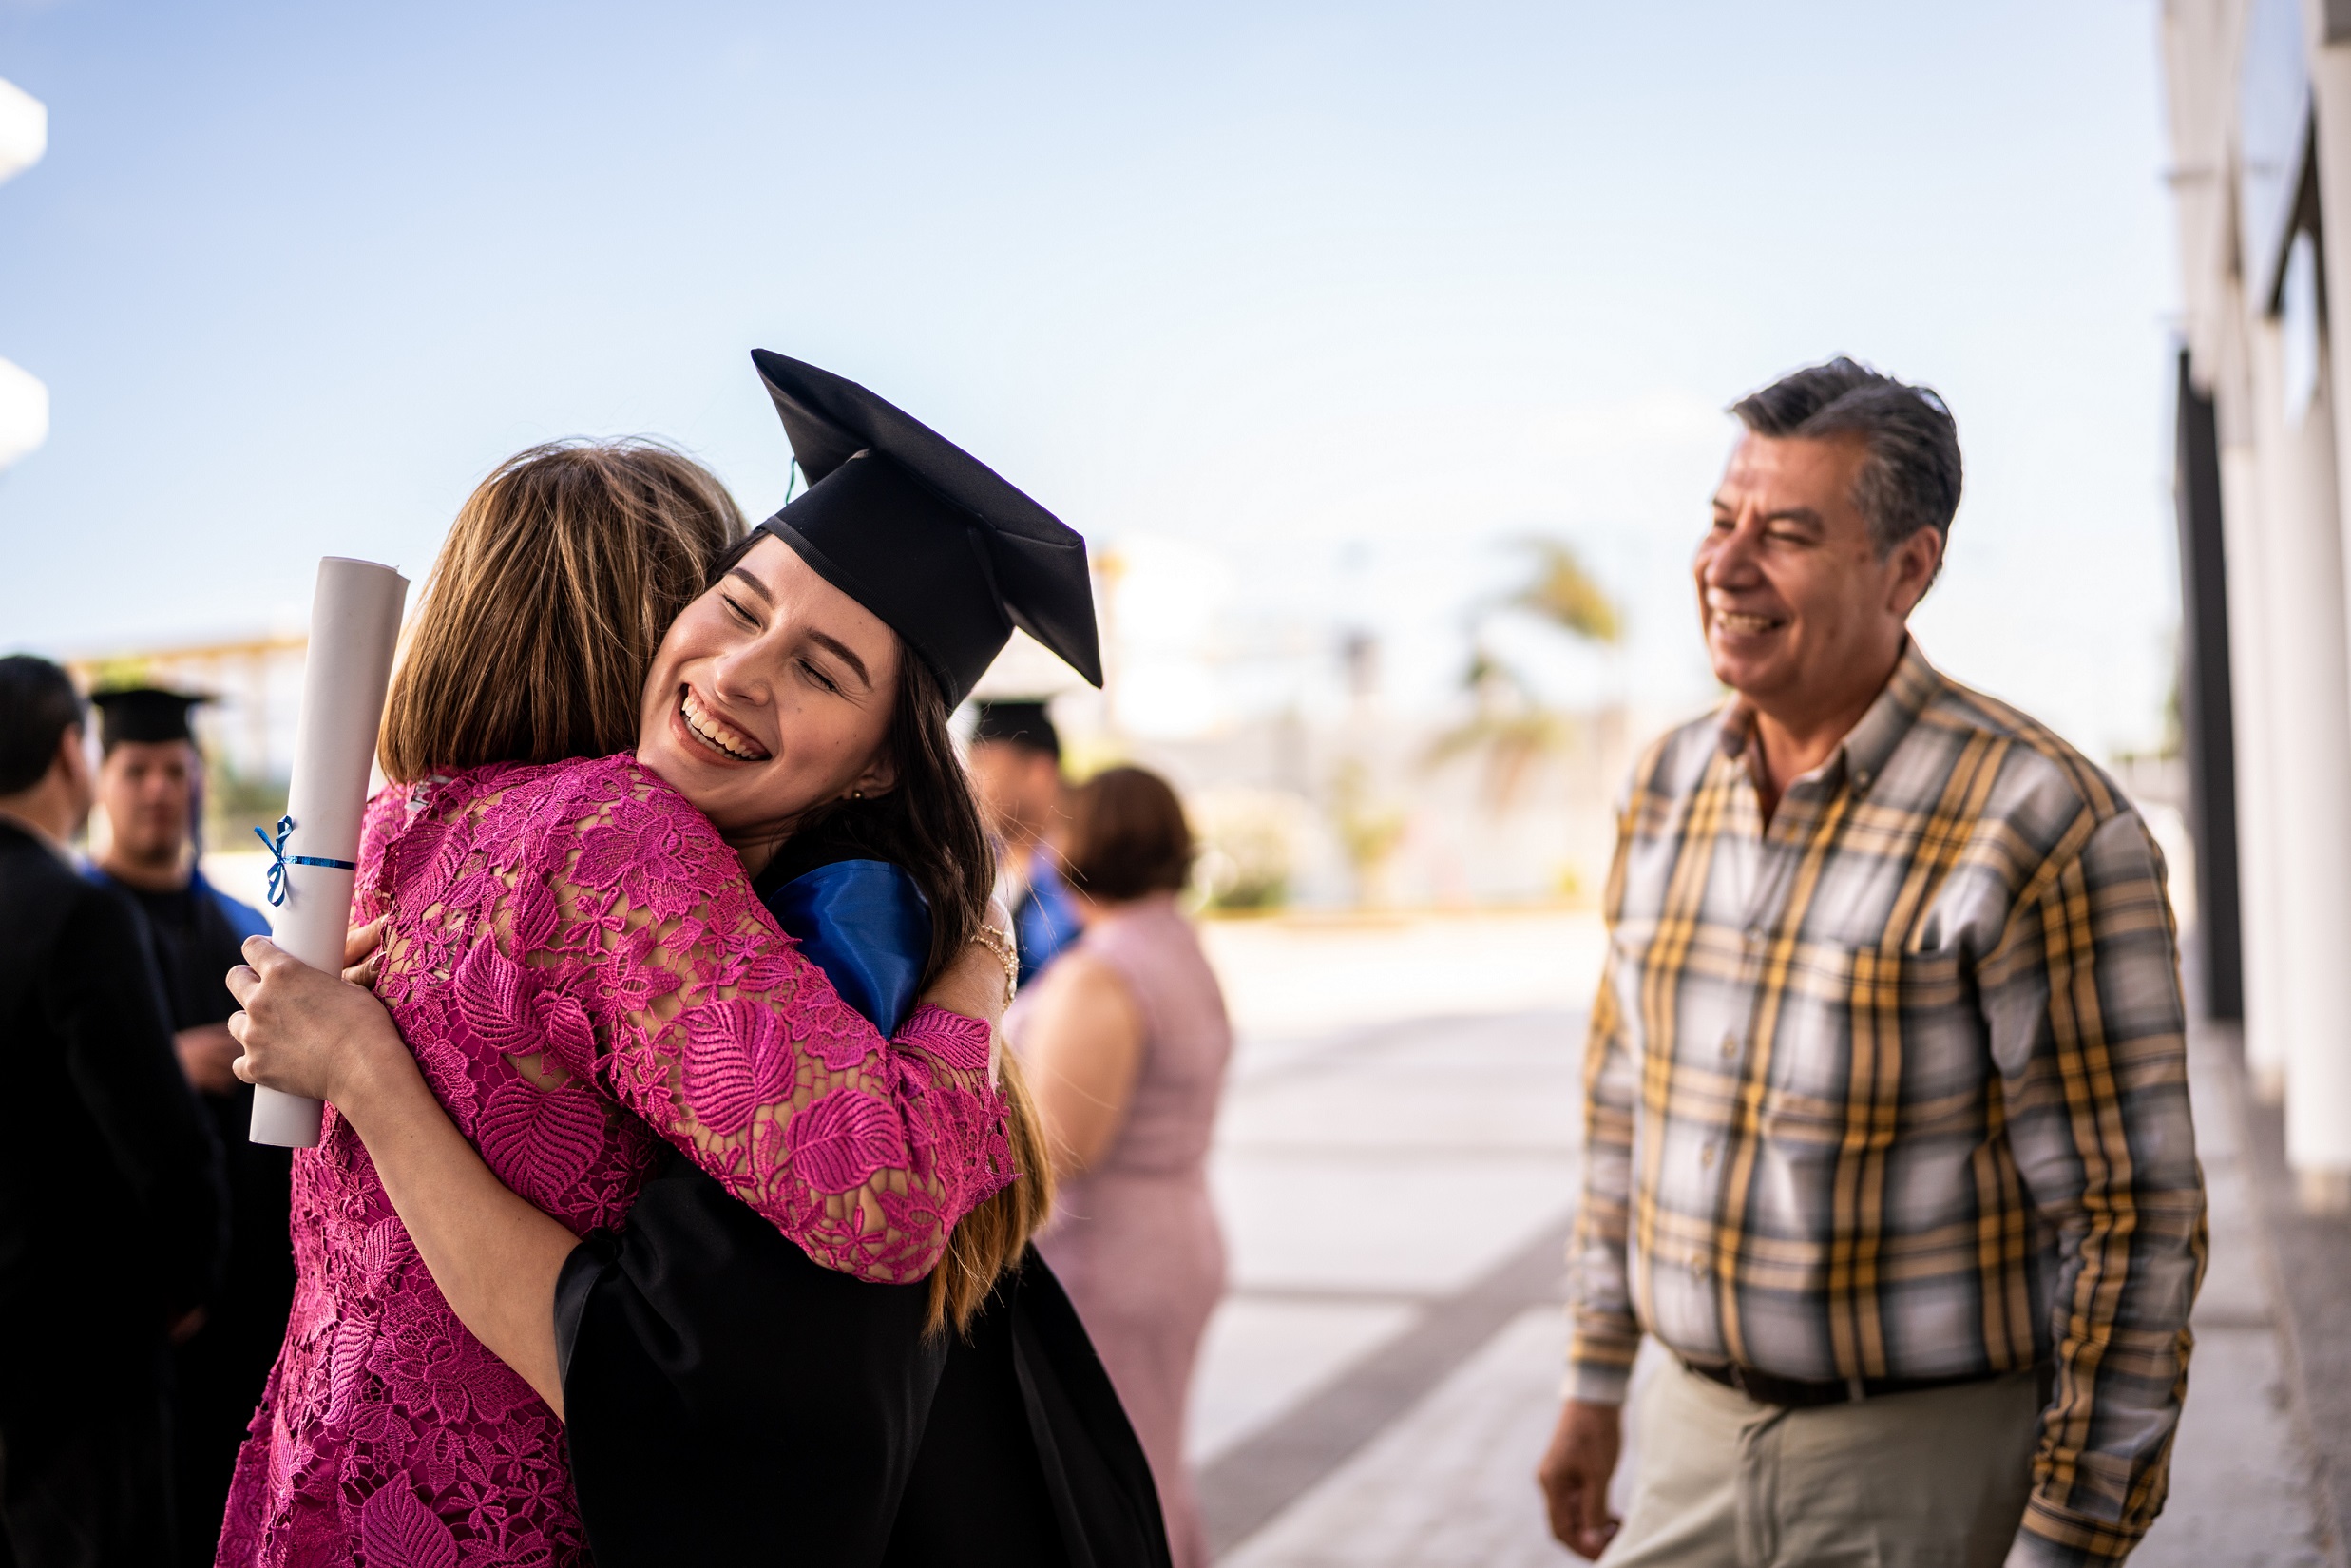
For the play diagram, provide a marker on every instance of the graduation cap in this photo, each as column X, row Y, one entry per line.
column 922, row 533
column 1022, row 724
column 144, row 714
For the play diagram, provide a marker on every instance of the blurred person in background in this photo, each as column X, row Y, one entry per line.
column 1126, row 1040
column 150, row 785
column 1888, row 1133
column 1016, row 764
column 111, row 1204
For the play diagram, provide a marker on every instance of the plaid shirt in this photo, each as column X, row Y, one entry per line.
column 1897, row 1086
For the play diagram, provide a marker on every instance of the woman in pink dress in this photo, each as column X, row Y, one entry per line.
column 570, row 944
column 575, row 955
column 1125, row 1039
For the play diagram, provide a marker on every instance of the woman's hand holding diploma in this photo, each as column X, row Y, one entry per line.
column 494, row 1255
column 307, row 1032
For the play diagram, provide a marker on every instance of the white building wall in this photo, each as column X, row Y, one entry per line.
column 2200, row 41
column 2311, row 695
column 2261, row 850
column 2318, row 1126
column 2286, row 500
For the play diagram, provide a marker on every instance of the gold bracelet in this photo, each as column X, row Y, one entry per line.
column 1007, row 954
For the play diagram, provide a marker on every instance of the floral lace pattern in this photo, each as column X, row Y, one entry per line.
column 581, row 968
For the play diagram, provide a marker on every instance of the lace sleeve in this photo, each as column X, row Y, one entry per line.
column 387, row 812
column 674, row 989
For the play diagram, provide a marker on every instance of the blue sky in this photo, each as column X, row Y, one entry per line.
column 1324, row 303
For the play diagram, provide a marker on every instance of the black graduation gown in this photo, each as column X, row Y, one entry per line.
column 727, row 1399
column 1028, row 1457
column 218, row 1375
column 111, row 1204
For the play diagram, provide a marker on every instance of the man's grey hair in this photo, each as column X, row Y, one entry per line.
column 1910, row 480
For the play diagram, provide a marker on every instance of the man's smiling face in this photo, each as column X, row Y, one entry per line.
column 1794, row 597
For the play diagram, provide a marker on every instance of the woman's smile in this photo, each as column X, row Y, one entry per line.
column 713, row 733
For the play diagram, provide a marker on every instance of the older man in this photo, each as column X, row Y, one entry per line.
column 1887, row 1128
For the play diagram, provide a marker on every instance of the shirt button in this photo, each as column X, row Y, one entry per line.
column 1861, row 782
column 1730, row 1046
column 1705, row 1154
column 1697, row 1265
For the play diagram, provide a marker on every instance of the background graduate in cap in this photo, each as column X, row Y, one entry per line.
column 1016, row 761
column 150, row 783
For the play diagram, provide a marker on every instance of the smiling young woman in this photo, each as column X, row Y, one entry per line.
column 770, row 696
column 782, row 705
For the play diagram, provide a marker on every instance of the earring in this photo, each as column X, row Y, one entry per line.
column 856, row 794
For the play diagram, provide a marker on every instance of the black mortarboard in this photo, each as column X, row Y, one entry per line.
column 144, row 714
column 925, row 535
column 1018, row 724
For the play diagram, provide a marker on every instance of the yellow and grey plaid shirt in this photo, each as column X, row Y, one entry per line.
column 1897, row 1086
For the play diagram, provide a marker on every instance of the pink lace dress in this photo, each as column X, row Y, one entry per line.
column 583, row 971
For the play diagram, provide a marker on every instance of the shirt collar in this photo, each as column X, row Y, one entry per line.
column 1862, row 753
column 39, row 835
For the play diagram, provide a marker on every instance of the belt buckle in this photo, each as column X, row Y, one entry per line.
column 1738, row 1379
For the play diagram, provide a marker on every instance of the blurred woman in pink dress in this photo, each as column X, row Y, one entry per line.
column 1126, row 1041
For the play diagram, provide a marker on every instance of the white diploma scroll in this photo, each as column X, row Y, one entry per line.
column 354, row 624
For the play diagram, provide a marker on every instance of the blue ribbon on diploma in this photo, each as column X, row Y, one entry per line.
column 280, row 860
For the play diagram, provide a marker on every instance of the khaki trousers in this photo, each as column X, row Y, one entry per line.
column 1931, row 1479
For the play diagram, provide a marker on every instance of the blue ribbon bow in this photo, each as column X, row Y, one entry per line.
column 280, row 860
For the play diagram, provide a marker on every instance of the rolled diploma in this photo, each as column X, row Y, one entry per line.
column 355, row 622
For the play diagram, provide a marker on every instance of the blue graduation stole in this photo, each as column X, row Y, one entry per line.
column 864, row 924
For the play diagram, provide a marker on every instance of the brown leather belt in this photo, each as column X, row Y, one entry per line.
column 1794, row 1393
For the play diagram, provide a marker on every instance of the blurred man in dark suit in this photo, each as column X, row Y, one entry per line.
column 150, row 783
column 111, row 1202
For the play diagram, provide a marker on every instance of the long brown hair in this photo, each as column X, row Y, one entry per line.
column 928, row 823
column 546, row 604
column 989, row 1242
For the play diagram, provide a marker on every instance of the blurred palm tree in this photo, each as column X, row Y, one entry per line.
column 1369, row 829
column 1559, row 590
column 1510, row 723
